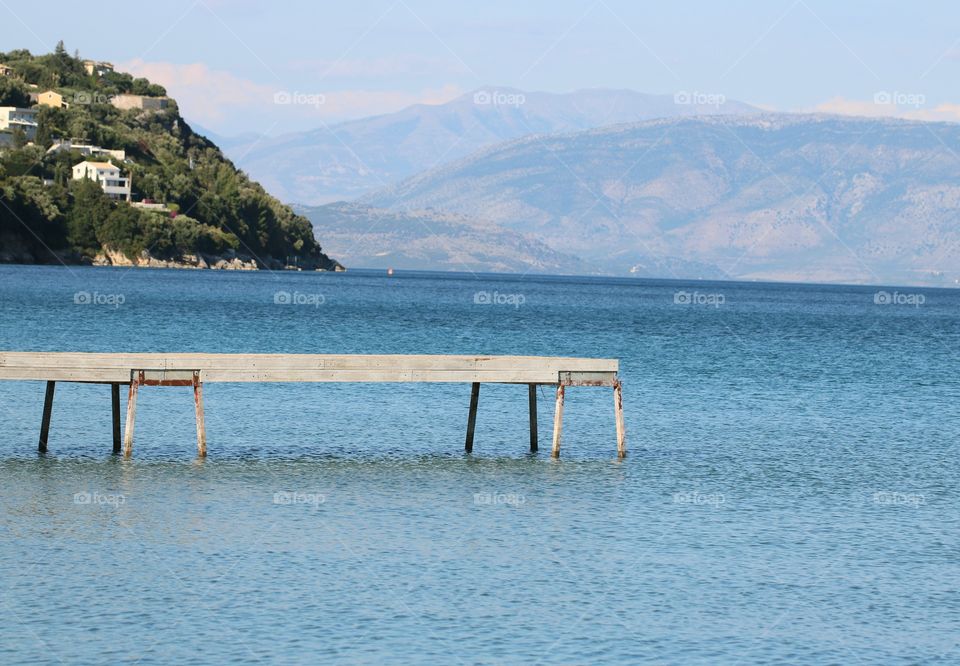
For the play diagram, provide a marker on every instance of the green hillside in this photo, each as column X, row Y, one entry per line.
column 210, row 207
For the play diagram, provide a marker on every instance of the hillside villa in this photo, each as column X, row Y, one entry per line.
column 107, row 175
column 86, row 150
column 98, row 68
column 51, row 98
column 5, row 71
column 13, row 117
column 127, row 102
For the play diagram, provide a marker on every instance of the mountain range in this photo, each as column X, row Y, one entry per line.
column 382, row 238
column 350, row 159
column 621, row 183
column 770, row 197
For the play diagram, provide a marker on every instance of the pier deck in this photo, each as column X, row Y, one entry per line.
column 194, row 370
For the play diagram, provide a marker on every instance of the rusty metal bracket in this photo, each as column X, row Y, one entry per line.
column 587, row 379
column 149, row 377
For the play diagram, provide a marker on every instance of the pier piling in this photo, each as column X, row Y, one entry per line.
column 45, row 422
column 115, row 415
column 198, row 407
column 532, row 400
column 618, row 412
column 136, row 378
column 558, row 422
column 472, row 416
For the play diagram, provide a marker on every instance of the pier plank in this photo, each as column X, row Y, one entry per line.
column 115, row 368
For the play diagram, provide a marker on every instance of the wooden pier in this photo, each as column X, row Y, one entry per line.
column 194, row 370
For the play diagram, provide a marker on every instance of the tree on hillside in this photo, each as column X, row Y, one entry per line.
column 32, row 211
column 13, row 92
column 88, row 212
column 51, row 124
column 19, row 138
column 144, row 87
column 122, row 230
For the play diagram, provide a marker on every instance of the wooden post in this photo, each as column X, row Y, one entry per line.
column 532, row 399
column 115, row 409
column 621, row 428
column 135, row 378
column 198, row 405
column 558, row 422
column 472, row 417
column 45, row 423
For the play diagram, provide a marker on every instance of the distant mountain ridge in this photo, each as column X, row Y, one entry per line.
column 771, row 196
column 349, row 159
column 377, row 238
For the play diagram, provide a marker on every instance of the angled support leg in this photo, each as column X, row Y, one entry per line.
column 621, row 428
column 136, row 378
column 472, row 417
column 115, row 413
column 198, row 406
column 532, row 399
column 45, row 423
column 558, row 422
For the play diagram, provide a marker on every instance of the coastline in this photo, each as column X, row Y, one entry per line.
column 198, row 261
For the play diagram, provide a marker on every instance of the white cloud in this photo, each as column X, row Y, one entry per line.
column 227, row 103
column 357, row 103
column 204, row 94
column 910, row 106
column 378, row 68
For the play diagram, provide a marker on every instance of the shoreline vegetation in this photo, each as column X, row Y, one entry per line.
column 98, row 168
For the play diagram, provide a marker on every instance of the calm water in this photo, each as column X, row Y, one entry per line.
column 791, row 494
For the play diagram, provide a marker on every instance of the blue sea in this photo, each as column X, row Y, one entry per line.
column 790, row 495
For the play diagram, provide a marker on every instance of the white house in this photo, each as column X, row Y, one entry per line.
column 98, row 68
column 12, row 117
column 107, row 175
column 85, row 149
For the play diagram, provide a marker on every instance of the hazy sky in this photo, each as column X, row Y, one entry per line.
column 228, row 61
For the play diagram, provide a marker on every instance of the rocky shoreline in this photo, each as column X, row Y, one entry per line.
column 109, row 257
